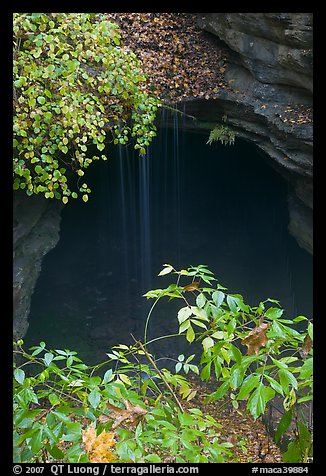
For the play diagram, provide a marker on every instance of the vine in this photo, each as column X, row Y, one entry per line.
column 75, row 90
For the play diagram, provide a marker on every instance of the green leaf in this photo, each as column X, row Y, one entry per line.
column 236, row 354
column 37, row 441
column 258, row 399
column 218, row 335
column 248, row 385
column 201, row 300
column 184, row 313
column 299, row 319
column 55, row 452
column 108, row 376
column 293, row 453
column 217, row 368
column 236, row 376
column 178, row 367
column 207, row 343
column 218, row 297
column 283, row 425
column 41, row 99
column 190, row 335
column 48, row 357
column 198, row 323
column 310, row 331
column 306, row 369
column 286, row 379
column 186, row 419
column 166, row 270
column 274, row 312
column 38, row 349
column 54, row 399
column 232, row 324
column 19, row 375
column 166, row 424
column 125, row 379
column 274, row 384
column 277, row 331
column 232, row 303
column 206, row 372
column 153, row 458
column 184, row 326
column 73, row 431
column 220, row 392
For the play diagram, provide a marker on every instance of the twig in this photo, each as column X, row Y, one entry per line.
column 164, row 106
column 149, row 357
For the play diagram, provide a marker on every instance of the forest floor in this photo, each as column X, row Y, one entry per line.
column 251, row 440
column 181, row 61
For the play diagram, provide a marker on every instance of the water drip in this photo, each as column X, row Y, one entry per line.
column 145, row 224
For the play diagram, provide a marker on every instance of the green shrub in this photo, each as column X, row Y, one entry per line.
column 75, row 89
column 222, row 134
column 252, row 354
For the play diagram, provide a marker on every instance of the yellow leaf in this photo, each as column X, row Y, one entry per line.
column 97, row 447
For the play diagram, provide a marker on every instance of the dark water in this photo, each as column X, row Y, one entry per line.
column 186, row 203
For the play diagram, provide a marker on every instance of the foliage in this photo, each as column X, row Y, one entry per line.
column 223, row 134
column 75, row 88
column 61, row 413
column 143, row 412
column 277, row 361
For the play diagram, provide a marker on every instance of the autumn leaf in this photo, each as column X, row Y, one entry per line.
column 175, row 67
column 97, row 447
column 307, row 345
column 256, row 338
column 132, row 414
column 192, row 286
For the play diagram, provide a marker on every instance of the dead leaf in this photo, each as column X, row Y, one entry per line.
column 256, row 338
column 192, row 286
column 133, row 414
column 97, row 447
column 307, row 345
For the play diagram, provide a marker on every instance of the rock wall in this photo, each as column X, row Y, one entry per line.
column 36, row 231
column 269, row 101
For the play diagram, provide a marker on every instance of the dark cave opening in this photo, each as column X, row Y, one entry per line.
column 185, row 203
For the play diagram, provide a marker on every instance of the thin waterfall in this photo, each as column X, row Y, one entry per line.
column 144, row 223
column 125, row 225
column 176, row 170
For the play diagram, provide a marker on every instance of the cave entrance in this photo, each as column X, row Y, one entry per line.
column 186, row 203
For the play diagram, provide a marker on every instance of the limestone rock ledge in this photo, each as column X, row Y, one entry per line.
column 270, row 77
column 35, row 233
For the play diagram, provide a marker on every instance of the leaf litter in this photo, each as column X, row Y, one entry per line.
column 250, row 439
column 182, row 61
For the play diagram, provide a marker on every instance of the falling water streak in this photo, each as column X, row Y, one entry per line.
column 145, row 224
column 123, row 158
column 104, row 218
column 165, row 179
column 176, row 167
